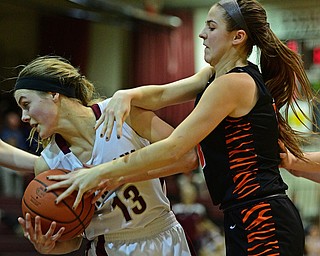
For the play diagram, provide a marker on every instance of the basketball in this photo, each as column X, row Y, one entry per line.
column 38, row 202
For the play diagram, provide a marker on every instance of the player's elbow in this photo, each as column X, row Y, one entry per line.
column 190, row 161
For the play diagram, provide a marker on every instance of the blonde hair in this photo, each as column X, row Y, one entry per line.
column 58, row 68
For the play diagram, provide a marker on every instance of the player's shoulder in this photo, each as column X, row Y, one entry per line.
column 235, row 82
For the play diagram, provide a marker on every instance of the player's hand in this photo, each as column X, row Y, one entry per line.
column 287, row 158
column 117, row 110
column 81, row 180
column 43, row 243
column 105, row 185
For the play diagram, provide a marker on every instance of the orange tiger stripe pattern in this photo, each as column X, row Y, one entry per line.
column 261, row 228
column 243, row 165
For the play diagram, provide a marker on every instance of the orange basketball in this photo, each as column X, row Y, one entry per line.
column 38, row 202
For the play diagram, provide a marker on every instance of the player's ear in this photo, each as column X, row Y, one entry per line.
column 239, row 37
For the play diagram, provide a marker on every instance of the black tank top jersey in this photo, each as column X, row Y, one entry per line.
column 242, row 154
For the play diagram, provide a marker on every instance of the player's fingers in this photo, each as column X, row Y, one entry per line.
column 107, row 118
column 92, row 192
column 78, row 200
column 105, row 126
column 108, row 125
column 65, row 194
column 51, row 230
column 64, row 183
column 99, row 121
column 25, row 229
column 119, row 125
column 58, row 177
column 61, row 184
column 57, row 236
column 29, row 230
column 22, row 224
column 89, row 193
column 120, row 118
column 96, row 197
column 28, row 223
column 282, row 146
column 27, row 235
column 37, row 226
column 99, row 193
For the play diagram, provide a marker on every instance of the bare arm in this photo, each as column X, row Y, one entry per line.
column 154, row 97
column 309, row 169
column 148, row 125
column 16, row 159
column 151, row 97
column 241, row 94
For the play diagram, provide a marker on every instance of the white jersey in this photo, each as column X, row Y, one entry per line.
column 133, row 206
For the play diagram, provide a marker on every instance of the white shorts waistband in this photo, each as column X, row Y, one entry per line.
column 157, row 226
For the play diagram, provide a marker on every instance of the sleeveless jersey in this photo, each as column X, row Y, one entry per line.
column 131, row 207
column 242, row 154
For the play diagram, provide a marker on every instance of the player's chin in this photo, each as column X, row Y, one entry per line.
column 207, row 58
column 44, row 135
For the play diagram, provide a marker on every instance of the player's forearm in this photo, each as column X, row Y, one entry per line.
column 312, row 175
column 186, row 89
column 15, row 158
column 311, row 165
column 137, row 164
column 147, row 97
column 309, row 169
column 151, row 97
column 154, row 97
column 187, row 163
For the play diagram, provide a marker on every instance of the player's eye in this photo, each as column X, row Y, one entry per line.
column 25, row 105
column 210, row 25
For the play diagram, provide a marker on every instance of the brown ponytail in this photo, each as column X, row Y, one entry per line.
column 282, row 70
column 285, row 77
